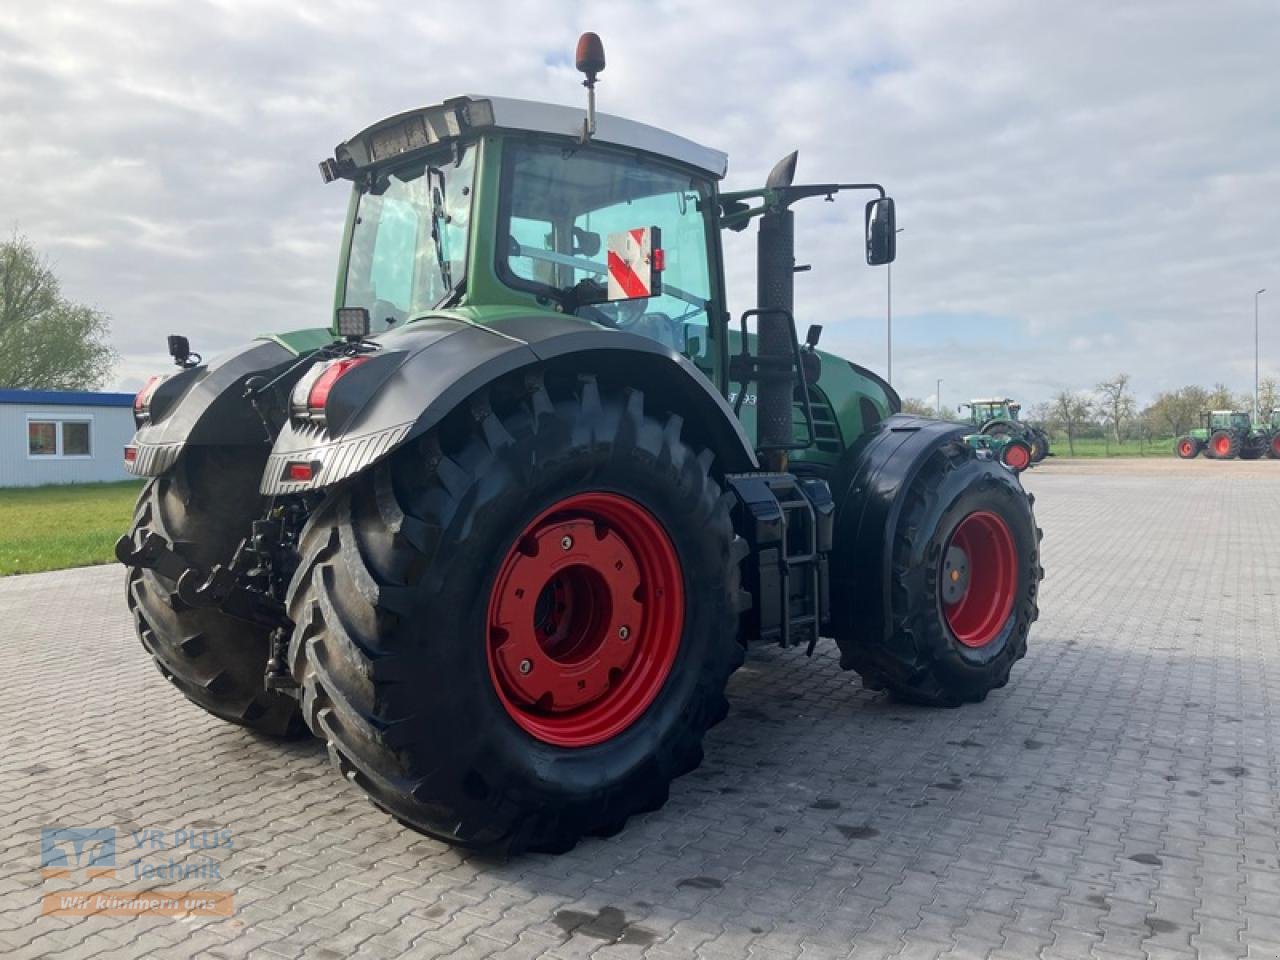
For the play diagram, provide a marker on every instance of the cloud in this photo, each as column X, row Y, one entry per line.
column 1084, row 188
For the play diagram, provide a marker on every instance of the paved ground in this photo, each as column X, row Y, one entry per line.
column 1116, row 800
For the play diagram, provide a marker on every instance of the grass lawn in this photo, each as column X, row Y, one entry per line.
column 1096, row 447
column 51, row 528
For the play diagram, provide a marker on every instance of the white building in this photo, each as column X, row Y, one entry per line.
column 60, row 436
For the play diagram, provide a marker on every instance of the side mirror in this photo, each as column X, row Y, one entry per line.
column 882, row 232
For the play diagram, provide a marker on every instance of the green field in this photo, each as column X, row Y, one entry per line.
column 1097, row 447
column 52, row 528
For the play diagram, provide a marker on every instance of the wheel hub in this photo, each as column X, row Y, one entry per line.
column 585, row 619
column 979, row 577
column 563, row 614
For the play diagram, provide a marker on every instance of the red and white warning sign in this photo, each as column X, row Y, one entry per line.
column 635, row 263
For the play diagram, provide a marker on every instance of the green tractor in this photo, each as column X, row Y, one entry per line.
column 1225, row 435
column 501, row 534
column 998, row 417
column 1272, row 430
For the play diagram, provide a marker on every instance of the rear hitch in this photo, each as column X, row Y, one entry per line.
column 221, row 588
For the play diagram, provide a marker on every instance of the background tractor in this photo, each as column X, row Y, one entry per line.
column 1224, row 435
column 1272, row 429
column 504, row 553
column 998, row 417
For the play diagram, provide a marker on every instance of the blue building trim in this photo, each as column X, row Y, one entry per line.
column 77, row 398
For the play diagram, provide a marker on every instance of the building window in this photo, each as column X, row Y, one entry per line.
column 42, row 438
column 56, row 439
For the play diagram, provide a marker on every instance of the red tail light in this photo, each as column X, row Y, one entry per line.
column 319, row 387
column 143, row 398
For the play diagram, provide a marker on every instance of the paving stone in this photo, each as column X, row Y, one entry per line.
column 1115, row 801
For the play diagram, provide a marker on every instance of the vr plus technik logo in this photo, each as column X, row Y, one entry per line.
column 91, row 849
column 80, row 853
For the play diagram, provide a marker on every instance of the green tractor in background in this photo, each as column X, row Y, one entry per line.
column 1225, row 435
column 997, row 417
column 1272, row 429
column 500, row 534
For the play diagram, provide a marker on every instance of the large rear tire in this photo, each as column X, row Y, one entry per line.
column 965, row 578
column 1223, row 445
column 204, row 506
column 517, row 630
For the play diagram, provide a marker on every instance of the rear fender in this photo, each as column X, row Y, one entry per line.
column 870, row 488
column 429, row 368
column 205, row 406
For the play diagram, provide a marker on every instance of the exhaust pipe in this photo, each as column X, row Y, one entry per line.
column 775, row 299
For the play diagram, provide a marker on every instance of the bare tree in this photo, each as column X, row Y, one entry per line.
column 1072, row 411
column 1220, row 398
column 918, row 407
column 1117, row 402
column 1268, row 396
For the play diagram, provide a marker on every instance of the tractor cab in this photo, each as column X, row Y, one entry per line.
column 1228, row 420
column 487, row 201
column 983, row 411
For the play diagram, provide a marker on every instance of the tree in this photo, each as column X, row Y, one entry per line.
column 1117, row 402
column 1268, row 396
column 46, row 341
column 1220, row 398
column 918, row 407
column 1072, row 411
column 1175, row 413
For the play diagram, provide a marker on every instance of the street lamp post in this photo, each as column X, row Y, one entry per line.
column 888, row 310
column 1255, row 352
column 938, row 396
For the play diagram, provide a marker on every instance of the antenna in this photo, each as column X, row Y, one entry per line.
column 589, row 60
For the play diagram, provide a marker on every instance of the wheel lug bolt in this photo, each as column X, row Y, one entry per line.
column 526, row 666
column 566, row 543
column 624, row 632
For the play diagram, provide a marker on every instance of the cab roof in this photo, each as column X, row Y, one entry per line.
column 405, row 134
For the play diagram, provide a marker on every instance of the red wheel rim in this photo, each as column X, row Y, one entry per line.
column 1275, row 445
column 585, row 619
column 1017, row 456
column 979, row 578
column 1221, row 446
column 1185, row 448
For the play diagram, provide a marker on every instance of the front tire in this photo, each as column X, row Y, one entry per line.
column 425, row 630
column 203, row 507
column 1187, row 448
column 965, row 579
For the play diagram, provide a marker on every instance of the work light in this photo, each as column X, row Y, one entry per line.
column 353, row 322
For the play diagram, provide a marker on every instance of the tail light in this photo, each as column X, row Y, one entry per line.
column 142, row 401
column 312, row 392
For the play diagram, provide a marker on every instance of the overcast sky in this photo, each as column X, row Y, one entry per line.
column 1085, row 187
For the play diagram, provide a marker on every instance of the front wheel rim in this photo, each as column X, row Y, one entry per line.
column 979, row 579
column 585, row 619
column 1185, row 448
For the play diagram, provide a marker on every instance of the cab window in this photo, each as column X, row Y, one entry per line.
column 560, row 207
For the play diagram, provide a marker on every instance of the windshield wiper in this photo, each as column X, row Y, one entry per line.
column 438, row 218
